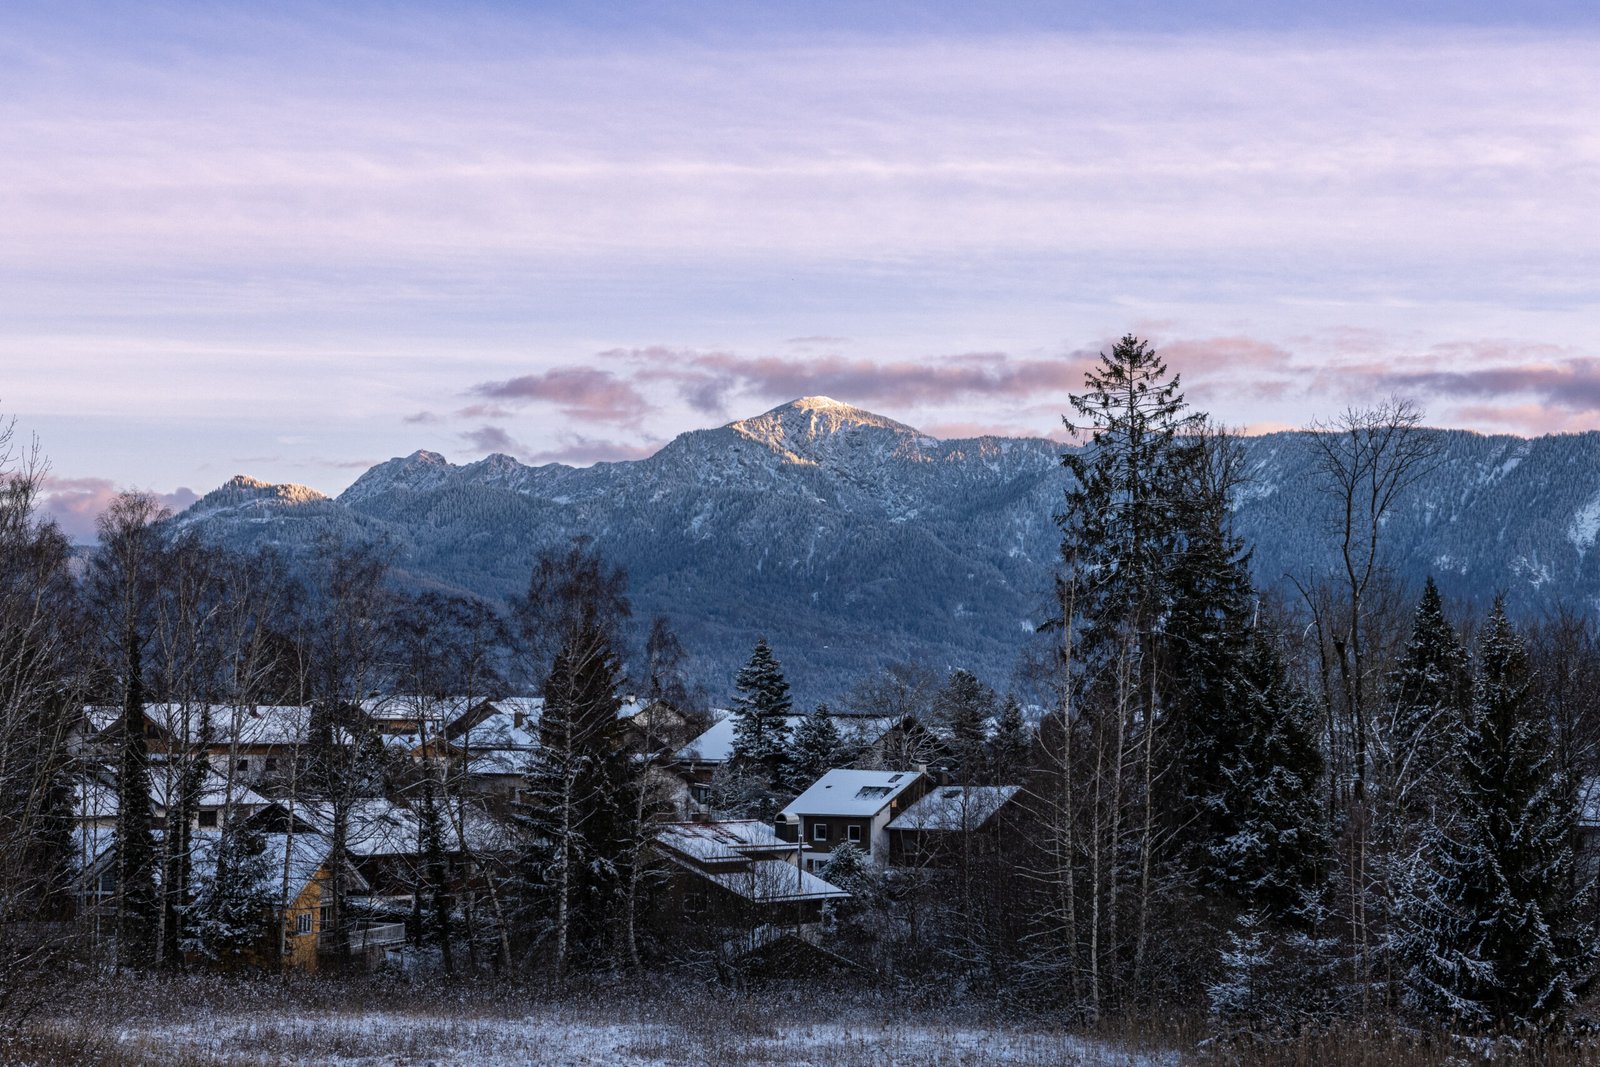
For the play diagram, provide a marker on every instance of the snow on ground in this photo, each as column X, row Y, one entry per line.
column 551, row 1037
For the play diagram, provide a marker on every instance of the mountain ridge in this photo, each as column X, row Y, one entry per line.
column 852, row 540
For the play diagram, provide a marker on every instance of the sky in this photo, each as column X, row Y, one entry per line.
column 294, row 240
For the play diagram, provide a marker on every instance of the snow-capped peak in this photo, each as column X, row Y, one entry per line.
column 812, row 428
column 422, row 470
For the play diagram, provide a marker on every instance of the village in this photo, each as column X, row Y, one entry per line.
column 750, row 895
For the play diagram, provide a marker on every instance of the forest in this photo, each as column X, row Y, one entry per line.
column 1339, row 813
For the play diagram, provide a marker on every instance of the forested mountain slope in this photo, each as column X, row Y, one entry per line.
column 851, row 540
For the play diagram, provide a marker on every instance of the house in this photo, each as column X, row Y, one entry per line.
column 259, row 742
column 873, row 741
column 732, row 884
column 950, row 822
column 385, row 842
column 293, row 879
column 853, row 806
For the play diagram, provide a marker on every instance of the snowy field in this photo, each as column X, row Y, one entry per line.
column 382, row 1038
column 707, row 1029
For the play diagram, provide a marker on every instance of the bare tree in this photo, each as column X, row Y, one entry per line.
column 41, row 686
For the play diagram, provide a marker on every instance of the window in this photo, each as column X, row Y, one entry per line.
column 208, row 820
column 302, row 923
column 272, row 764
column 819, row 831
column 854, row 832
column 872, row 792
column 242, row 766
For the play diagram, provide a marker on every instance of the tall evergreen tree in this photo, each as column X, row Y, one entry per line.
column 137, row 901
column 818, row 746
column 1011, row 745
column 576, row 796
column 1429, row 692
column 761, row 741
column 963, row 707
column 1489, row 934
column 1270, row 840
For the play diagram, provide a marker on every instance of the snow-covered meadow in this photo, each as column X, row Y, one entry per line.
column 193, row 1024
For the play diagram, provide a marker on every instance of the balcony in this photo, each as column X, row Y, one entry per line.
column 365, row 935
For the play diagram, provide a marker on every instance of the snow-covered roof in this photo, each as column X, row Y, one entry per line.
column 722, row 842
column 248, row 724
column 774, row 882
column 500, row 731
column 300, row 856
column 955, row 808
column 380, row 827
column 716, row 744
column 851, row 792
column 94, row 795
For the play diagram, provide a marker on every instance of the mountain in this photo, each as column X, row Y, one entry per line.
column 851, row 540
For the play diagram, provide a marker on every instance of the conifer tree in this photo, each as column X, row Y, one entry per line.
column 1489, row 934
column 575, row 799
column 817, row 746
column 963, row 707
column 137, row 902
column 1270, row 842
column 1009, row 748
column 761, row 741
column 232, row 903
column 1428, row 694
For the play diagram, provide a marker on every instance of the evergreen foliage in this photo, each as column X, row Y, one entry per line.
column 232, row 903
column 135, row 856
column 1428, row 695
column 576, row 800
column 818, row 746
column 1010, row 749
column 1270, row 845
column 963, row 708
column 761, row 741
column 1489, row 934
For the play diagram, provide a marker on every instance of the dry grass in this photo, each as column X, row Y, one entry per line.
column 205, row 1021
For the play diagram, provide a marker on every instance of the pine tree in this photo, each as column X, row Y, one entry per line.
column 1428, row 694
column 761, row 742
column 1271, row 842
column 963, row 707
column 137, row 900
column 577, row 794
column 232, row 904
column 1009, row 748
column 817, row 746
column 1488, row 931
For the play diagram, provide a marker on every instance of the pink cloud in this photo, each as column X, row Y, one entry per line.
column 75, row 503
column 706, row 380
column 579, row 392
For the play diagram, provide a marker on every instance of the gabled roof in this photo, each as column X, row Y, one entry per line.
column 94, row 794
column 380, row 827
column 260, row 724
column 852, row 793
column 715, row 745
column 955, row 808
column 773, row 882
column 722, row 842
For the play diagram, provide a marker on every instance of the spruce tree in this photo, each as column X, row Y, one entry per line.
column 1488, row 931
column 761, row 742
column 1271, row 841
column 1428, row 695
column 1011, row 745
column 576, row 796
column 233, row 902
column 137, row 900
column 963, row 708
column 817, row 746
